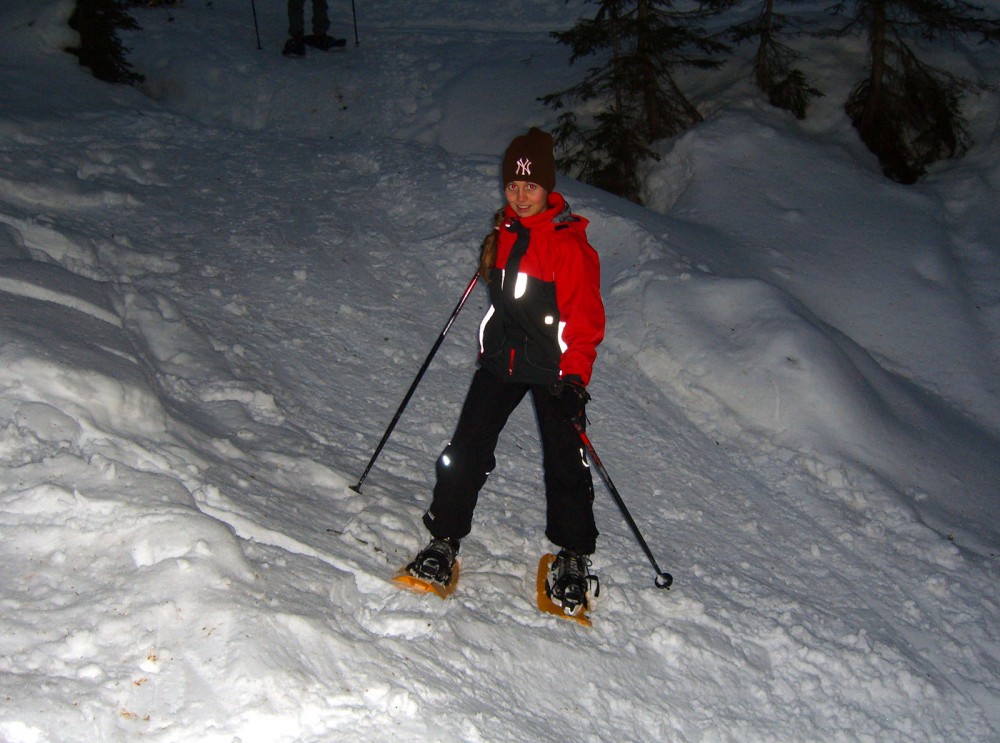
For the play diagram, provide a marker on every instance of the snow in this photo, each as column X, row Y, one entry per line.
column 215, row 290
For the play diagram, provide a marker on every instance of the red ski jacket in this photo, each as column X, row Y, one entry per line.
column 546, row 316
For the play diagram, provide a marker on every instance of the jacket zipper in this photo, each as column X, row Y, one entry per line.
column 510, row 365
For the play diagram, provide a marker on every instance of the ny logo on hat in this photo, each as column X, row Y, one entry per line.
column 523, row 166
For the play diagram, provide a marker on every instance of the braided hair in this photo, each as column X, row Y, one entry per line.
column 488, row 251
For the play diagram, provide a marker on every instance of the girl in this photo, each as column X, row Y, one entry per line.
column 539, row 337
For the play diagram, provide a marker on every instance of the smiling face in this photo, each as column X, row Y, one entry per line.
column 526, row 199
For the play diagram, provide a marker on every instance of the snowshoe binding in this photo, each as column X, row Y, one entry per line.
column 564, row 585
column 435, row 569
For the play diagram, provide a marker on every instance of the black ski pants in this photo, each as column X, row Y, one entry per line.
column 297, row 20
column 466, row 462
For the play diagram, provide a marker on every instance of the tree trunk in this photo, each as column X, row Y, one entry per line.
column 763, row 76
column 876, row 78
column 644, row 53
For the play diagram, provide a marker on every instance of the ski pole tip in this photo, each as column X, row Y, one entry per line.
column 664, row 580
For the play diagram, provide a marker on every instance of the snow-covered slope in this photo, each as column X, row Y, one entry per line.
column 214, row 292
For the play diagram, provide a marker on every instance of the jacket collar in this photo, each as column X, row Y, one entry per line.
column 557, row 211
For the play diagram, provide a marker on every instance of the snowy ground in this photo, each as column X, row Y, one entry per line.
column 215, row 290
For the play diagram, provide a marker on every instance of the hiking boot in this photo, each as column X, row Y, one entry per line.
column 569, row 580
column 436, row 561
column 294, row 47
column 324, row 42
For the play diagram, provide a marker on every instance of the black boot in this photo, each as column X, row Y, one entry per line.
column 294, row 47
column 436, row 561
column 324, row 42
column 569, row 580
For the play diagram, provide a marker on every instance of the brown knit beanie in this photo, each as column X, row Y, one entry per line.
column 529, row 158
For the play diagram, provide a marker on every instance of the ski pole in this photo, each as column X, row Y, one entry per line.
column 663, row 579
column 354, row 12
column 256, row 28
column 416, row 381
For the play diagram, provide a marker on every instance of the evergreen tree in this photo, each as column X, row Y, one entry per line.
column 640, row 43
column 784, row 85
column 906, row 111
column 97, row 22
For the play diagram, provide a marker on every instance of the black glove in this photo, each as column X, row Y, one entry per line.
column 570, row 398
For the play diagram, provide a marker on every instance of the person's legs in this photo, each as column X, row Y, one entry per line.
column 296, row 18
column 320, row 18
column 466, row 462
column 569, row 486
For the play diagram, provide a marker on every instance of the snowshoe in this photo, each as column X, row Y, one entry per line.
column 564, row 583
column 325, row 43
column 435, row 569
